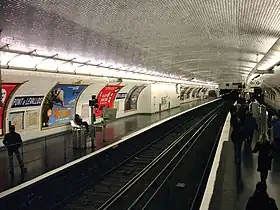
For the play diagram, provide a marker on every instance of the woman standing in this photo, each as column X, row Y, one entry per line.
column 265, row 149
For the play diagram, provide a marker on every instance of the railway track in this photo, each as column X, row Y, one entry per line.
column 133, row 183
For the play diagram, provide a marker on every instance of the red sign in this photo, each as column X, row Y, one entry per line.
column 7, row 90
column 106, row 98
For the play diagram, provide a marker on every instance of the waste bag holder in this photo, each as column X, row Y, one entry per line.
column 79, row 137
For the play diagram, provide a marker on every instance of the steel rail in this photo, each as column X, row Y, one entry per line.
column 195, row 138
column 136, row 178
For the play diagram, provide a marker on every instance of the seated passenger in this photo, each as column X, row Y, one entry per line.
column 79, row 121
column 261, row 200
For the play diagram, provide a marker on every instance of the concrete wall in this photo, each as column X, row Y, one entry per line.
column 152, row 98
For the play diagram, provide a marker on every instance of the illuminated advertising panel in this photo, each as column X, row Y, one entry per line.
column 7, row 91
column 59, row 105
column 106, row 98
column 132, row 97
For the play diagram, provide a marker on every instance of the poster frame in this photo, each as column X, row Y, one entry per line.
column 6, row 105
column 75, row 107
column 23, row 118
column 99, row 109
column 130, row 93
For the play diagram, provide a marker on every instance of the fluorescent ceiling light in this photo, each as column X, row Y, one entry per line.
column 33, row 61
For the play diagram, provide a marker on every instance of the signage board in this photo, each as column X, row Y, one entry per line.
column 25, row 101
column 121, row 96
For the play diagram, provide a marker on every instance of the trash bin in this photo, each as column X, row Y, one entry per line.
column 83, row 138
column 79, row 138
column 76, row 138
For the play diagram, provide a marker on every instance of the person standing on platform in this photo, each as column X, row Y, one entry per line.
column 275, row 122
column 247, row 96
column 250, row 125
column 233, row 118
column 238, row 105
column 261, row 200
column 241, row 113
column 265, row 150
column 237, row 137
column 13, row 142
column 254, row 107
column 232, row 109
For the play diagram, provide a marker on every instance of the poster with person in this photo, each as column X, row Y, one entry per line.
column 106, row 98
column 131, row 99
column 59, row 105
column 7, row 90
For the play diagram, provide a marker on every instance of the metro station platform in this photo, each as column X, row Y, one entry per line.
column 45, row 154
column 229, row 186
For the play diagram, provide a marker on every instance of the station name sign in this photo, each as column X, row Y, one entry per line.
column 25, row 101
column 121, row 95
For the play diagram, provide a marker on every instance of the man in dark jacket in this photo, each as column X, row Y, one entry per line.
column 250, row 125
column 233, row 119
column 79, row 121
column 237, row 137
column 260, row 200
column 13, row 142
column 276, row 131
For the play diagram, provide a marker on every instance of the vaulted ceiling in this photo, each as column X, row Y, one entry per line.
column 213, row 40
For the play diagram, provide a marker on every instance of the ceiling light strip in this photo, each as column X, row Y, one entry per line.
column 158, row 75
column 263, row 59
column 170, row 80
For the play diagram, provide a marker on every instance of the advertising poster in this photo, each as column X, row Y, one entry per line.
column 7, row 91
column 132, row 97
column 106, row 98
column 194, row 92
column 60, row 103
column 17, row 119
column 32, row 119
column 182, row 93
column 188, row 93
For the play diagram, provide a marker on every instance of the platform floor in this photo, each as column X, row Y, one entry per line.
column 234, row 185
column 51, row 152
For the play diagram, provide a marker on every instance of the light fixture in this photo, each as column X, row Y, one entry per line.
column 109, row 69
